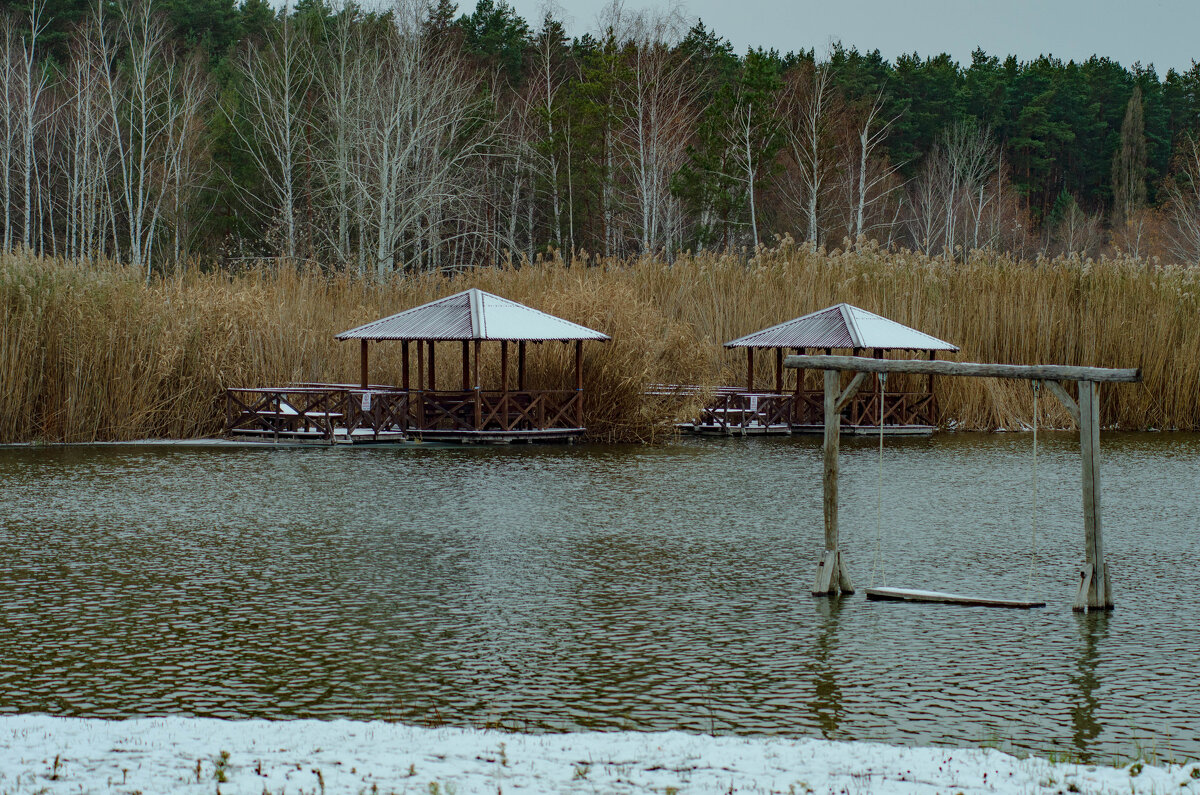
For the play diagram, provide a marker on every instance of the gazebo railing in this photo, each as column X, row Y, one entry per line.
column 734, row 409
column 494, row 410
column 313, row 410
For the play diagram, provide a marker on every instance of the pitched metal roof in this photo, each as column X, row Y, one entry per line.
column 842, row 326
column 472, row 315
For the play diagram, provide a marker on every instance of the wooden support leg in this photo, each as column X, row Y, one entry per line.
column 1095, row 587
column 833, row 576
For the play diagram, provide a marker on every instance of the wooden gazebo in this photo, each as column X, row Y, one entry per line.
column 419, row 407
column 783, row 408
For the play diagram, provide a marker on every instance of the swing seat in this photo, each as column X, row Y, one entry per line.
column 940, row 597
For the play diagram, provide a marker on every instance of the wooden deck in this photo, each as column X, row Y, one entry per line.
column 736, row 412
column 342, row 414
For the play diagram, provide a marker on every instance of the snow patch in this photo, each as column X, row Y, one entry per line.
column 47, row 754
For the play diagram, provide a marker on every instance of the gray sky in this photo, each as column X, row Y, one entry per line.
column 1163, row 32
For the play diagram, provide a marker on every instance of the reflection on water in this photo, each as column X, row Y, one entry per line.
column 826, row 705
column 603, row 587
column 1093, row 627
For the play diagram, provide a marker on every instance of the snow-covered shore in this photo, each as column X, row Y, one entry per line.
column 166, row 755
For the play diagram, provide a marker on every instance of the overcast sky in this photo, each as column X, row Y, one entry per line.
column 1163, row 32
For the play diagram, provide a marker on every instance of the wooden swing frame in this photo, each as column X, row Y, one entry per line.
column 1095, row 587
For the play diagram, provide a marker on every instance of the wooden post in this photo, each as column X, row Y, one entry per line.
column 796, row 414
column 933, row 412
column 749, row 369
column 779, row 371
column 832, row 574
column 521, row 365
column 404, row 364
column 420, row 384
column 833, row 432
column 466, row 365
column 478, row 393
column 1095, row 588
column 432, row 369
column 363, row 363
column 578, row 383
column 504, row 366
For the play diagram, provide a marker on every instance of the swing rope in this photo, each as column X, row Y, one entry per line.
column 877, row 564
column 1037, row 387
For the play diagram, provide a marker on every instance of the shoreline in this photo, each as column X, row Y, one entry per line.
column 215, row 441
column 42, row 753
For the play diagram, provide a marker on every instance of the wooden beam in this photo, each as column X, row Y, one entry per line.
column 466, row 365
column 432, row 368
column 420, row 366
column 779, row 370
column 521, row 365
column 1060, row 393
column 749, row 369
column 848, row 392
column 940, row 597
column 1041, row 372
column 1095, row 589
column 363, row 364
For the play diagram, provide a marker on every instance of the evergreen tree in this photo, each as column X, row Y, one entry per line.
column 1129, row 163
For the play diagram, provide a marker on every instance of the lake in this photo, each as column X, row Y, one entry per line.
column 608, row 587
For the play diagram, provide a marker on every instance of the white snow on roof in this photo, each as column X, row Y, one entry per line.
column 472, row 315
column 842, row 326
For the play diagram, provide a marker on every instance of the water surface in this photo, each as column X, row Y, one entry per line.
column 586, row 587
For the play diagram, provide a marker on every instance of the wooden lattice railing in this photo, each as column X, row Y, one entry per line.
column 313, row 410
column 323, row 411
column 496, row 410
column 733, row 409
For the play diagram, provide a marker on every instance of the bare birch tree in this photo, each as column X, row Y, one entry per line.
column 1183, row 202
column 807, row 113
column 656, row 124
column 271, row 120
column 154, row 99
column 871, row 178
column 422, row 143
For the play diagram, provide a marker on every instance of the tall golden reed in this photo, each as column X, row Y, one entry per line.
column 90, row 352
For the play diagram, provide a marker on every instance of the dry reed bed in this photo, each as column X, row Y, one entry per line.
column 92, row 352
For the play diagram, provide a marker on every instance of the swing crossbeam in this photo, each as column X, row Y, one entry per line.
column 1095, row 587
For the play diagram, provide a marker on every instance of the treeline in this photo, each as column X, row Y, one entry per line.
column 416, row 137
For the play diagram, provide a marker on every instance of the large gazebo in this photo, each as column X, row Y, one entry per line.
column 842, row 327
column 419, row 407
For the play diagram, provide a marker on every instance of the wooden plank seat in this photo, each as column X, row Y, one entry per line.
column 941, row 597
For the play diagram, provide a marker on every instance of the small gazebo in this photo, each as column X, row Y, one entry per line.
column 471, row 412
column 420, row 407
column 841, row 327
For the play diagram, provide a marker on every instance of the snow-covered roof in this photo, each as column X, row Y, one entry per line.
column 842, row 326
column 472, row 315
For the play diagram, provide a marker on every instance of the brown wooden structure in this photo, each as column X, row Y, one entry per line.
column 420, row 407
column 782, row 408
column 1095, row 586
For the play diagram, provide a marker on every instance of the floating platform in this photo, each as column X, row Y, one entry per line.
column 940, row 597
column 753, row 429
